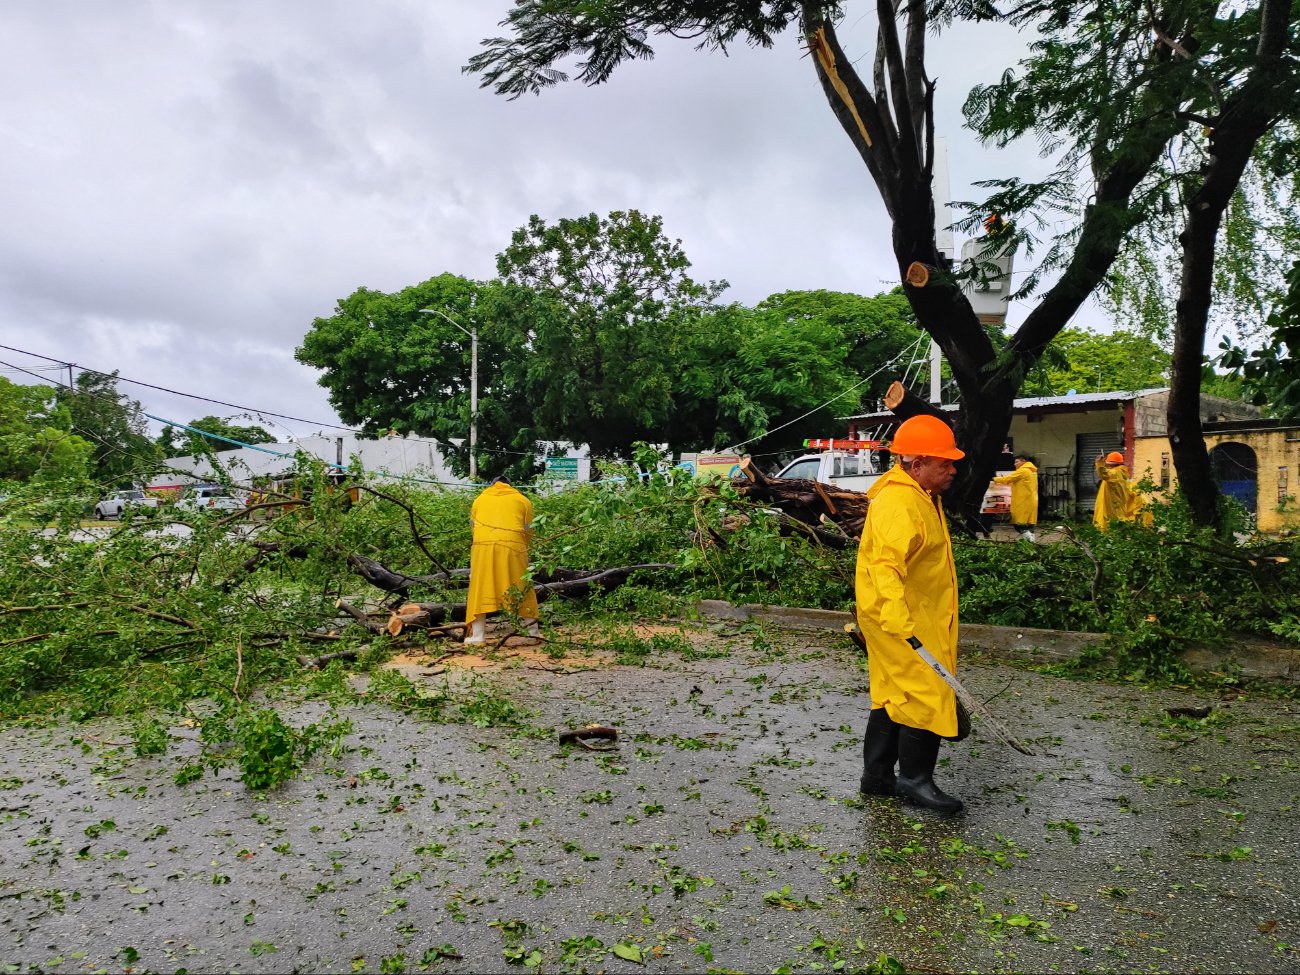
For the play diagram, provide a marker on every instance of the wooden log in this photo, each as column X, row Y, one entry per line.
column 821, row 493
column 792, row 526
column 751, row 471
column 603, row 578
column 905, row 404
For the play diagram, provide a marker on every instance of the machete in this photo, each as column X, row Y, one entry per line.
column 973, row 704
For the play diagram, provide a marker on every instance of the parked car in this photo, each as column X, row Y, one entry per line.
column 122, row 504
column 208, row 497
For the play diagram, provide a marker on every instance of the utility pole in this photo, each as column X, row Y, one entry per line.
column 473, row 388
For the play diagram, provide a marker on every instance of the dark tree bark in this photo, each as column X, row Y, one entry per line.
column 1246, row 116
column 892, row 128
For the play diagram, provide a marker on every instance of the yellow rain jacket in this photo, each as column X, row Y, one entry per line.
column 1114, row 496
column 1024, row 493
column 498, row 559
column 907, row 586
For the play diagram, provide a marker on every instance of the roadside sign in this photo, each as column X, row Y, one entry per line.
column 717, row 465
column 562, row 468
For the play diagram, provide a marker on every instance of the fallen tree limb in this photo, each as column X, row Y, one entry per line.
column 361, row 617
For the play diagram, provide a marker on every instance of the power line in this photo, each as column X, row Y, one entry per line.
column 175, row 392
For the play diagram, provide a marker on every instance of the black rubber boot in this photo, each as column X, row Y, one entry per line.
column 879, row 754
column 918, row 751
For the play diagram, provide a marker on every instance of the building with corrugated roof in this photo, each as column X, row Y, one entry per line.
column 1065, row 434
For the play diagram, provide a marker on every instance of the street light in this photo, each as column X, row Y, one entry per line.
column 473, row 388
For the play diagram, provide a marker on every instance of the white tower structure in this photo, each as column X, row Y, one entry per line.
column 989, row 289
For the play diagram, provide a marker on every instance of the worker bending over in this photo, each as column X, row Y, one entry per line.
column 1024, row 495
column 498, row 559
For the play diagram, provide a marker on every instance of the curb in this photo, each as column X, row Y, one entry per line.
column 1256, row 660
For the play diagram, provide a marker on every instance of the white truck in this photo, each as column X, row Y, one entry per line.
column 123, row 504
column 849, row 470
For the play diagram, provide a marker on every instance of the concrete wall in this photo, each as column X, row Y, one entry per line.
column 1149, row 412
column 1277, row 455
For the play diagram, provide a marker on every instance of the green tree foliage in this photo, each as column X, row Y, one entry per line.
column 1215, row 85
column 620, row 318
column 797, row 351
column 142, row 620
column 400, row 362
column 1096, row 362
column 36, row 439
column 115, row 424
column 178, row 443
column 1271, row 373
column 1107, row 89
column 599, row 336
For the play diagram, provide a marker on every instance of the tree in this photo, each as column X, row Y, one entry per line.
column 177, row 443
column 1109, row 97
column 1241, row 81
column 36, row 438
column 1272, row 373
column 115, row 424
column 618, row 318
column 394, row 362
column 1095, row 362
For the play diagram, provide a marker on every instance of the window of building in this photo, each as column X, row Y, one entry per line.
column 1164, row 470
column 1281, row 486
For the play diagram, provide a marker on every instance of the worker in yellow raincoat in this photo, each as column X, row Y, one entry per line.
column 1024, row 495
column 907, row 595
column 1114, row 495
column 498, row 559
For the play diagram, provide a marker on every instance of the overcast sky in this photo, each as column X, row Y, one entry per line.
column 186, row 185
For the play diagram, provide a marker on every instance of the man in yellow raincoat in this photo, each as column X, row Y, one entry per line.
column 1114, row 496
column 907, row 595
column 1024, row 495
column 498, row 559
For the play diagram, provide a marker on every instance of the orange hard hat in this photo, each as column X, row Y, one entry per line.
column 1114, row 457
column 925, row 436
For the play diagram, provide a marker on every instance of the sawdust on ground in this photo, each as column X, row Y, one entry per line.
column 568, row 647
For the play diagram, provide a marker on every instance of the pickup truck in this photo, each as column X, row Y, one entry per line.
column 208, row 497
column 844, row 469
column 857, row 471
column 120, row 503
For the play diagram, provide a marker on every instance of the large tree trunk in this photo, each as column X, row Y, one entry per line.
column 1247, row 115
column 892, row 127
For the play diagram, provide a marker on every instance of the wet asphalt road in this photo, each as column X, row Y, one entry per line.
column 725, row 833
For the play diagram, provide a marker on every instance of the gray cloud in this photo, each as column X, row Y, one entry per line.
column 188, row 184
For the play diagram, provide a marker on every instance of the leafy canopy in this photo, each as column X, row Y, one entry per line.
column 177, row 443
column 1095, row 362
column 36, row 439
column 597, row 334
column 620, row 318
column 123, row 453
column 1271, row 373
